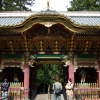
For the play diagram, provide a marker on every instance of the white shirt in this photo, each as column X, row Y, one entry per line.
column 58, row 85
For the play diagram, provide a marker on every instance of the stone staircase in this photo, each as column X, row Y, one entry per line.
column 45, row 97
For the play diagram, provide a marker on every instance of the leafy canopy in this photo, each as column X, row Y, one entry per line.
column 47, row 73
column 15, row 5
column 84, row 5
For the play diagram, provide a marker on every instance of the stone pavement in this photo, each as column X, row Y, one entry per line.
column 45, row 97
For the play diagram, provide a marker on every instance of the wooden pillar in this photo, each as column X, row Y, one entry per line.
column 26, row 80
column 26, row 77
column 71, row 68
column 99, row 73
column 71, row 72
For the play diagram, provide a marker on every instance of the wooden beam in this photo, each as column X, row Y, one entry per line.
column 25, row 42
column 50, row 62
column 71, row 45
column 11, row 45
column 86, row 45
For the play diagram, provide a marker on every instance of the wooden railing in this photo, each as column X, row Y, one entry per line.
column 14, row 84
column 16, row 91
column 19, row 84
column 86, row 85
column 87, row 91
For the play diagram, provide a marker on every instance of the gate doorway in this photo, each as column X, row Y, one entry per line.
column 46, row 74
column 43, row 75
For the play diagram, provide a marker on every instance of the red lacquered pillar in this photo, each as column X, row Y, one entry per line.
column 71, row 72
column 26, row 80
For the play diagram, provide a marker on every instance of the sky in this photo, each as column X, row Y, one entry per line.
column 58, row 5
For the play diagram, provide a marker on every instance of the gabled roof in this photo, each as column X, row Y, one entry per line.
column 11, row 20
column 81, row 18
column 86, row 20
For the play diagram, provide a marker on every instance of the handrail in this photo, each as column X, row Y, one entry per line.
column 49, row 92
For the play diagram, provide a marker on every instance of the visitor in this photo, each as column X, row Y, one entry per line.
column 57, row 87
column 69, row 89
column 4, row 88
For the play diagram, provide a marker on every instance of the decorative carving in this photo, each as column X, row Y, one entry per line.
column 48, row 42
column 13, row 62
column 32, row 61
column 85, row 62
column 41, row 46
column 83, row 76
column 38, row 30
column 59, row 30
column 48, row 24
column 11, row 46
column 66, row 60
column 48, row 4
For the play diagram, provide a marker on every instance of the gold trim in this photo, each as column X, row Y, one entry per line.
column 48, row 57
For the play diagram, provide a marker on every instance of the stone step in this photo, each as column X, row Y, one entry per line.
column 41, row 97
column 45, row 97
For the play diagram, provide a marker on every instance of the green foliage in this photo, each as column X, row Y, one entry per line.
column 13, row 5
column 48, row 72
column 84, row 5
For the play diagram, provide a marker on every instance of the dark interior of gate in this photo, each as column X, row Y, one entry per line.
column 11, row 73
column 90, row 75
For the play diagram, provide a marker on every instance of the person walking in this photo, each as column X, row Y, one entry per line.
column 57, row 87
column 69, row 89
column 4, row 88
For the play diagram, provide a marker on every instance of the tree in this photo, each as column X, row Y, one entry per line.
column 85, row 5
column 15, row 5
column 48, row 72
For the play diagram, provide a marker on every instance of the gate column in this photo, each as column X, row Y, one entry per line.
column 71, row 72
column 71, row 68
column 99, row 73
column 26, row 78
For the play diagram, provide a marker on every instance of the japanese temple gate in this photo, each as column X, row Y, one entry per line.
column 49, row 35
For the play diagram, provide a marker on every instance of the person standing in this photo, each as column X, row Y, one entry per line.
column 69, row 89
column 57, row 87
column 4, row 88
column 16, row 78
